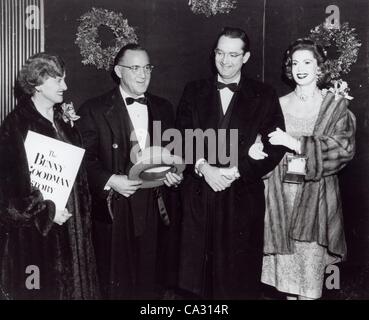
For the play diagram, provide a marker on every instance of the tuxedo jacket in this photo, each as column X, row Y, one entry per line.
column 131, row 243
column 222, row 232
column 254, row 109
column 106, row 128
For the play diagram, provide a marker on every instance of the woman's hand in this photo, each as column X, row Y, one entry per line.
column 256, row 151
column 61, row 216
column 281, row 138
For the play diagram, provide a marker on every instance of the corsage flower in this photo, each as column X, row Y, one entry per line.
column 69, row 114
column 340, row 88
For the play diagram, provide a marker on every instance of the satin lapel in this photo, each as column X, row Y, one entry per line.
column 117, row 118
column 245, row 106
column 207, row 106
column 153, row 115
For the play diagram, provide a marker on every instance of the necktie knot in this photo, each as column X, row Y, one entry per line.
column 231, row 86
column 141, row 100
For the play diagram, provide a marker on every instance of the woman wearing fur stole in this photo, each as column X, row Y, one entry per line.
column 303, row 222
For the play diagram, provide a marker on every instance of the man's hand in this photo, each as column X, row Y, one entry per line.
column 230, row 173
column 173, row 179
column 61, row 216
column 124, row 186
column 214, row 178
column 279, row 137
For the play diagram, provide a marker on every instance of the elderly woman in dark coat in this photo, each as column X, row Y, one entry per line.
column 45, row 253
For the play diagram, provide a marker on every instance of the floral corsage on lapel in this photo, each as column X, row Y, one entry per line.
column 340, row 88
column 69, row 114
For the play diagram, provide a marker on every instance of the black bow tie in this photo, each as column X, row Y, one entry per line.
column 141, row 100
column 231, row 86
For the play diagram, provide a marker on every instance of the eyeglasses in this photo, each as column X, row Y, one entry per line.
column 135, row 69
column 220, row 54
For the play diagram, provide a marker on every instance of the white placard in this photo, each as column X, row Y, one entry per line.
column 53, row 166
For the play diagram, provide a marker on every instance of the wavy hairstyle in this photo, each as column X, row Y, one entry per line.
column 38, row 69
column 319, row 55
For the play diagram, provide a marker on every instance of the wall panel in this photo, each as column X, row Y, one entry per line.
column 21, row 35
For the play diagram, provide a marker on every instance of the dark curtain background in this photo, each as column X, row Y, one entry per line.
column 179, row 43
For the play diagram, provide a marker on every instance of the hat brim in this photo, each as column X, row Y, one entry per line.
column 141, row 170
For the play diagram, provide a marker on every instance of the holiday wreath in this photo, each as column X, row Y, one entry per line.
column 88, row 33
column 341, row 45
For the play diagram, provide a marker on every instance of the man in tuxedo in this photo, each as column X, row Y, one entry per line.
column 223, row 203
column 130, row 236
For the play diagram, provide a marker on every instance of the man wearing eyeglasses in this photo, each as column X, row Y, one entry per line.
column 223, row 203
column 130, row 236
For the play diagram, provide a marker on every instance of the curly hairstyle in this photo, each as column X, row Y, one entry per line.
column 37, row 69
column 319, row 55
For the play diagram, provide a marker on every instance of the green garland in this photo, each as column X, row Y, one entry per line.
column 344, row 40
column 211, row 7
column 89, row 44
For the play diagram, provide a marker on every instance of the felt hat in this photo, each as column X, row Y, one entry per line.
column 152, row 164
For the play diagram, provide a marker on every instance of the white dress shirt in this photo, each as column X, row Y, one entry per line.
column 138, row 114
column 225, row 99
column 226, row 95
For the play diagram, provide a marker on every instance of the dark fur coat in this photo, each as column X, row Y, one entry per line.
column 28, row 236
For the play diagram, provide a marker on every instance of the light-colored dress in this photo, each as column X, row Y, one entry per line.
column 302, row 272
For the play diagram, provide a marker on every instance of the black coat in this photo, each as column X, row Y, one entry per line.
column 129, row 242
column 222, row 232
column 28, row 235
